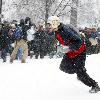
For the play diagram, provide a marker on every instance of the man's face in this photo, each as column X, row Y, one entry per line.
column 55, row 24
column 52, row 29
column 13, row 29
column 94, row 30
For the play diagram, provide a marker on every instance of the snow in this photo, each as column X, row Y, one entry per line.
column 41, row 79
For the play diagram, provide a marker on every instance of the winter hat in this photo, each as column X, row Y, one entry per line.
column 13, row 26
column 54, row 21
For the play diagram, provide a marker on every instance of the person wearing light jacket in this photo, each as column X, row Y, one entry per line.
column 30, row 39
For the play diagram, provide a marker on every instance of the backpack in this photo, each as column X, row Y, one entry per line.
column 18, row 34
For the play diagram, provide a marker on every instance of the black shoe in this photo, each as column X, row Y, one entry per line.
column 31, row 55
column 11, row 60
column 95, row 89
column 4, row 61
column 23, row 61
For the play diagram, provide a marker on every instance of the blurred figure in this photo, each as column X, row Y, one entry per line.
column 20, row 42
column 40, row 42
column 94, row 40
column 30, row 39
column 4, row 40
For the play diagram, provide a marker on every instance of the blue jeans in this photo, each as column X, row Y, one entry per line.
column 20, row 53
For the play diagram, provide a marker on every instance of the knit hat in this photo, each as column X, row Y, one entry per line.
column 54, row 21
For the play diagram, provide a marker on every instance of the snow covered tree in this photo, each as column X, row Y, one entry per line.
column 38, row 10
column 0, row 9
column 73, row 16
column 88, row 13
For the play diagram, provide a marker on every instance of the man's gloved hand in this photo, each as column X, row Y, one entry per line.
column 65, row 49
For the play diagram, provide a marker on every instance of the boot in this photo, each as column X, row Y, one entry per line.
column 11, row 60
column 31, row 55
column 95, row 89
column 36, row 56
column 23, row 61
column 4, row 60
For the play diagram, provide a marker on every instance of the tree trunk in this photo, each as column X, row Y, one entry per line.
column 0, row 9
column 73, row 16
column 47, row 12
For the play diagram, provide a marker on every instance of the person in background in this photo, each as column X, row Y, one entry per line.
column 5, row 41
column 52, row 43
column 20, row 42
column 40, row 42
column 94, row 40
column 30, row 39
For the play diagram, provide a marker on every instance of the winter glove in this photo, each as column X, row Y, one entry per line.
column 12, row 44
column 65, row 49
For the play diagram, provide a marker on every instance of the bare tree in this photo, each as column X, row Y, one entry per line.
column 88, row 13
column 0, row 9
column 73, row 16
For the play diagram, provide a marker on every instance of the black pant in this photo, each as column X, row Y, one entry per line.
column 85, row 78
column 76, row 65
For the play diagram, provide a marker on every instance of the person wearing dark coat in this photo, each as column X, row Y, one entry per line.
column 5, row 31
column 4, row 41
column 74, row 48
column 40, row 43
column 52, row 42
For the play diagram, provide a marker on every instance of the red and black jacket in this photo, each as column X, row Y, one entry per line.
column 67, row 36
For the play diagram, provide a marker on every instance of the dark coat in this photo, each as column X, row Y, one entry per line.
column 40, row 42
column 3, row 42
column 74, row 60
column 68, row 36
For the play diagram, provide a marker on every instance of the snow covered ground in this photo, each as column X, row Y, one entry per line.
column 42, row 80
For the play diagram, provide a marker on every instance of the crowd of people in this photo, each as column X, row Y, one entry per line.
column 92, row 38
column 27, row 39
